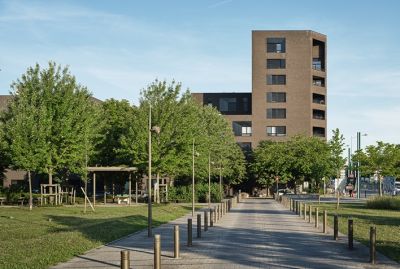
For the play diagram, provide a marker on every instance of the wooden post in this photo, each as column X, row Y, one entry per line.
column 136, row 191
column 372, row 244
column 105, row 192
column 125, row 260
column 189, row 237
column 198, row 225
column 130, row 189
column 87, row 199
column 157, row 251
column 176, row 241
column 310, row 214
column 335, row 227
column 325, row 220
column 350, row 233
column 316, row 218
column 94, row 189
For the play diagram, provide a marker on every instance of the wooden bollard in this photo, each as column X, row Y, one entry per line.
column 217, row 213
column 350, row 232
column 300, row 209
column 316, row 218
column 211, row 217
column 221, row 213
column 157, row 251
column 125, row 260
column 325, row 221
column 189, row 237
column 372, row 244
column 290, row 204
column 310, row 214
column 176, row 242
column 305, row 211
column 335, row 227
column 198, row 225
column 205, row 220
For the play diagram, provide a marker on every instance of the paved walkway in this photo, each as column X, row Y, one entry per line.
column 258, row 233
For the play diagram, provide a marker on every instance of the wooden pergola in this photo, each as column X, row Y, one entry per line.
column 96, row 169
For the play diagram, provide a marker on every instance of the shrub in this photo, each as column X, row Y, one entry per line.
column 391, row 203
column 184, row 193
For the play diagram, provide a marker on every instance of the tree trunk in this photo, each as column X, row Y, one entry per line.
column 84, row 197
column 30, row 190
column 380, row 186
column 338, row 195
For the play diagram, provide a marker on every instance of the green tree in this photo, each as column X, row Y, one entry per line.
column 51, row 122
column 379, row 160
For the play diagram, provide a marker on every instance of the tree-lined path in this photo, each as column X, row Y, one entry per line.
column 258, row 233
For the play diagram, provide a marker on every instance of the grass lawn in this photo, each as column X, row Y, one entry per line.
column 29, row 240
column 387, row 224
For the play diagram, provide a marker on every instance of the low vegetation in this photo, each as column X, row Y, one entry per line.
column 47, row 236
column 390, row 203
column 387, row 224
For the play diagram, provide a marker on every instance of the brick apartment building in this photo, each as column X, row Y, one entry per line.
column 289, row 94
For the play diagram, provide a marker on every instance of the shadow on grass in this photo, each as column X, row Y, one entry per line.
column 101, row 230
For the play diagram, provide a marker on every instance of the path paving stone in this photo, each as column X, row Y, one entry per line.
column 257, row 233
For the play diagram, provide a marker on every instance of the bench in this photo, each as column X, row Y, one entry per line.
column 2, row 199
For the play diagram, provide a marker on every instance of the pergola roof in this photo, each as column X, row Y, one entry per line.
column 111, row 169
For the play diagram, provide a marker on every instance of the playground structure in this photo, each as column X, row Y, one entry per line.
column 128, row 199
column 54, row 193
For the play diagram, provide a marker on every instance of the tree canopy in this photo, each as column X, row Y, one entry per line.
column 50, row 123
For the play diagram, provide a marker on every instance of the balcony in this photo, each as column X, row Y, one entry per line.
column 317, row 65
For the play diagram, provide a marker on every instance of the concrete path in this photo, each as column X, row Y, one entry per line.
column 258, row 233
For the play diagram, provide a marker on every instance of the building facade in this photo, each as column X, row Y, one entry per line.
column 289, row 93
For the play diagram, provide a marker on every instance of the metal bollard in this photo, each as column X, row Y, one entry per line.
column 335, row 227
column 211, row 218
column 125, row 260
column 198, row 225
column 305, row 211
column 372, row 244
column 350, row 232
column 316, row 217
column 176, row 241
column 325, row 220
column 157, row 251
column 205, row 220
column 310, row 214
column 189, row 238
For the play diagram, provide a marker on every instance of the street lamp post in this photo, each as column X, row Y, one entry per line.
column 220, row 180
column 358, row 164
column 155, row 129
column 193, row 196
column 209, row 180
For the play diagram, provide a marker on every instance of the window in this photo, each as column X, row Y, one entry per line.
column 276, row 97
column 227, row 104
column 317, row 64
column 276, row 79
column 276, row 113
column 276, row 45
column 241, row 128
column 276, row 130
column 318, row 114
column 318, row 99
column 319, row 131
column 276, row 63
column 318, row 81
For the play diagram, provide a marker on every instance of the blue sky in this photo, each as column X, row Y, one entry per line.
column 116, row 48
